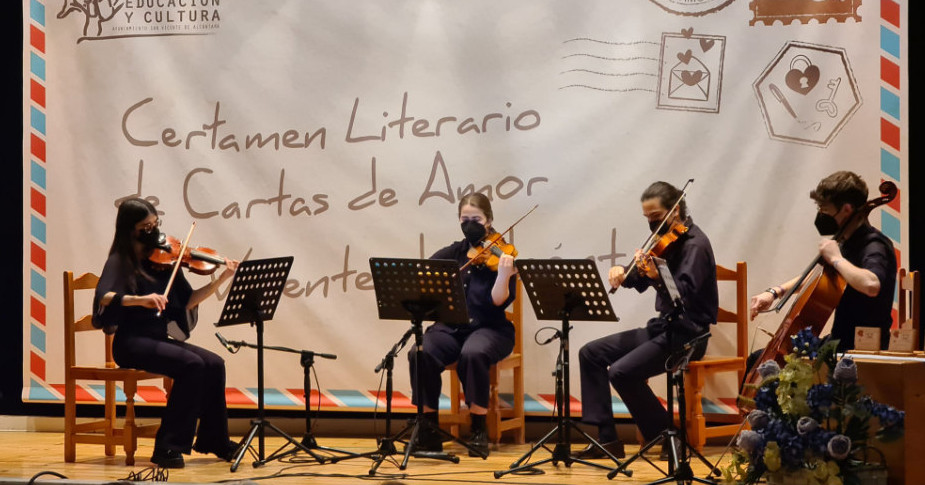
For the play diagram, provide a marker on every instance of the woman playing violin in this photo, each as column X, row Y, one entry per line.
column 865, row 259
column 487, row 339
column 130, row 302
column 627, row 359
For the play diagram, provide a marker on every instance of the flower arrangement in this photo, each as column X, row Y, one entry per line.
column 809, row 418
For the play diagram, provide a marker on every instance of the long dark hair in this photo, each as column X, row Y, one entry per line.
column 667, row 195
column 131, row 212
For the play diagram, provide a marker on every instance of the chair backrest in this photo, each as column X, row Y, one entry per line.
column 909, row 293
column 515, row 313
column 740, row 315
column 72, row 324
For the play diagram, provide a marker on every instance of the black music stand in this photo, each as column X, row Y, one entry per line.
column 674, row 439
column 563, row 289
column 419, row 290
column 253, row 297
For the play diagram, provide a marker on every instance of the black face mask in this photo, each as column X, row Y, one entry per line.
column 473, row 231
column 152, row 239
column 826, row 224
column 653, row 225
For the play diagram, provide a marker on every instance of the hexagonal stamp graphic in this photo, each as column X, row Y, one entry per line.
column 807, row 93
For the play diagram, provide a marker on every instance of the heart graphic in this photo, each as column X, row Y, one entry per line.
column 706, row 44
column 687, row 32
column 686, row 57
column 803, row 81
column 691, row 78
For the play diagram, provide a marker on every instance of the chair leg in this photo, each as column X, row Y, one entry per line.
column 521, row 436
column 493, row 419
column 696, row 421
column 70, row 420
column 454, row 403
column 129, row 432
column 110, row 417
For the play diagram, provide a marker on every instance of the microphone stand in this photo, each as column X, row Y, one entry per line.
column 307, row 359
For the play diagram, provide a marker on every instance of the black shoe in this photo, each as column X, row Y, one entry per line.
column 592, row 452
column 479, row 441
column 167, row 458
column 226, row 452
column 428, row 440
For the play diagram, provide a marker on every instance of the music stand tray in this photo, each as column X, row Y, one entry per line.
column 418, row 290
column 253, row 298
column 563, row 289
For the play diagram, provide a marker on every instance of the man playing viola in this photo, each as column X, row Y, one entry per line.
column 866, row 260
column 628, row 359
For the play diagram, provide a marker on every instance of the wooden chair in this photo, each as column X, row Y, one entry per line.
column 910, row 288
column 694, row 379
column 105, row 431
column 499, row 419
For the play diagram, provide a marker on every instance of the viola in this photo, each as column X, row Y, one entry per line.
column 657, row 244
column 820, row 290
column 675, row 231
column 199, row 260
column 489, row 252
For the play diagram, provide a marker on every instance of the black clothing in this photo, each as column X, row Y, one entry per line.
column 141, row 342
column 869, row 249
column 488, row 338
column 627, row 359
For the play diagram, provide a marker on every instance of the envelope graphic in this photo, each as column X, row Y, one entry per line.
column 689, row 81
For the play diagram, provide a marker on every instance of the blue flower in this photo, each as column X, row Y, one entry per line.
column 805, row 343
column 766, row 397
column 839, row 447
column 819, row 398
column 758, row 419
column 845, row 371
column 806, row 425
column 818, row 441
column 768, row 368
column 751, row 442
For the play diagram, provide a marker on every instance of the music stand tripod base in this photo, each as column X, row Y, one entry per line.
column 253, row 298
column 418, row 290
column 566, row 290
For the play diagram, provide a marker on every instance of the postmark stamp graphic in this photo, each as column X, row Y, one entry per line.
column 691, row 71
column 694, row 8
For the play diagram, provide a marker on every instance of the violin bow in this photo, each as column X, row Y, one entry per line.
column 176, row 265
column 497, row 237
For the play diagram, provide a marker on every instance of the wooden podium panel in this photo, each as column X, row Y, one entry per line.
column 899, row 382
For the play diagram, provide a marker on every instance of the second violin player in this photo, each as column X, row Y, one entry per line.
column 487, row 339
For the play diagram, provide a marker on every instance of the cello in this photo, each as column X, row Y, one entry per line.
column 820, row 289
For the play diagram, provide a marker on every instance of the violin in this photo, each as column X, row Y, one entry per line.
column 492, row 247
column 489, row 252
column 820, row 290
column 199, row 260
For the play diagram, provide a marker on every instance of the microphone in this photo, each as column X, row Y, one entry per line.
column 231, row 348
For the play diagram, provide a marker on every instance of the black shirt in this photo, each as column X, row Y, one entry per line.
column 135, row 319
column 690, row 260
column 867, row 248
column 478, row 280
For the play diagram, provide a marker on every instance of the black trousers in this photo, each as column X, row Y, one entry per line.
column 198, row 392
column 626, row 360
column 473, row 350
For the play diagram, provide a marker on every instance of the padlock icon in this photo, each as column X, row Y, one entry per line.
column 802, row 80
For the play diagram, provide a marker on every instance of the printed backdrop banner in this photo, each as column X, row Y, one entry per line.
column 336, row 131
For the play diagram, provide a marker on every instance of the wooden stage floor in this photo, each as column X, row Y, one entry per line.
column 26, row 454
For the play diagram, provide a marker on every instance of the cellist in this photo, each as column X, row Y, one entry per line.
column 865, row 259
